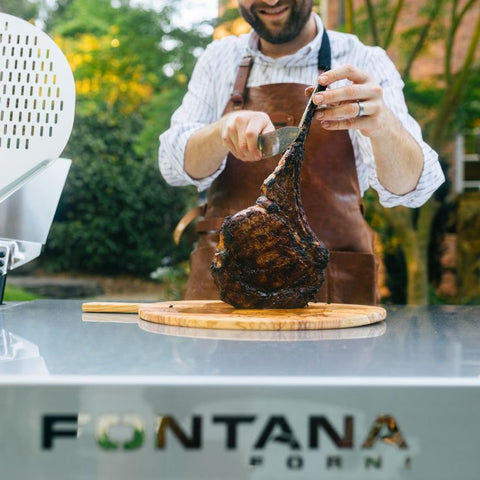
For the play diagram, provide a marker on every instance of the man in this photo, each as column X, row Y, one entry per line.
column 362, row 136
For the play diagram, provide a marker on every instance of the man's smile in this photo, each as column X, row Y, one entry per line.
column 273, row 13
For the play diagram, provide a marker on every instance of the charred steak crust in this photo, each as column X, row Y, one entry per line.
column 267, row 255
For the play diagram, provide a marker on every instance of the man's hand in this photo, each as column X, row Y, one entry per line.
column 360, row 105
column 357, row 105
column 240, row 131
column 237, row 132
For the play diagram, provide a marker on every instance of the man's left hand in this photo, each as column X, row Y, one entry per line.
column 360, row 105
column 357, row 105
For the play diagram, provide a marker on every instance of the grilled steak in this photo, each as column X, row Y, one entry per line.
column 267, row 255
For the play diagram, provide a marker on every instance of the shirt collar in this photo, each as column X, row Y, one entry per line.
column 307, row 54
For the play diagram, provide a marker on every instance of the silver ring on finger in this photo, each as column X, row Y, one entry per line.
column 361, row 109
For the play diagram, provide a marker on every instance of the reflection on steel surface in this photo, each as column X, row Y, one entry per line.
column 19, row 356
column 367, row 331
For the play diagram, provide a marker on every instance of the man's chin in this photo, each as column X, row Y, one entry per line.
column 272, row 29
column 277, row 37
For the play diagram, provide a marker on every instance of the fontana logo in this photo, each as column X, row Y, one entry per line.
column 257, row 434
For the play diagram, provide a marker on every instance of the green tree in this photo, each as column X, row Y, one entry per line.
column 116, row 213
column 131, row 68
column 26, row 9
column 440, row 109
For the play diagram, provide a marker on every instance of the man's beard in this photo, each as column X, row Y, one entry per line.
column 299, row 15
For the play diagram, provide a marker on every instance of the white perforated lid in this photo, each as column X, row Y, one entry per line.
column 37, row 102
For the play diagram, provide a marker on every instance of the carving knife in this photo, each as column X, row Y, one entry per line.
column 273, row 143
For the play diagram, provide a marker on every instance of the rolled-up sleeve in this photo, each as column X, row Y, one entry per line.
column 196, row 111
column 432, row 175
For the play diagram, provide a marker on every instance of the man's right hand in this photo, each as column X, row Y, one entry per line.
column 236, row 132
column 240, row 130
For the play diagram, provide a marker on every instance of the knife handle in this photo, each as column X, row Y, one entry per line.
column 110, row 307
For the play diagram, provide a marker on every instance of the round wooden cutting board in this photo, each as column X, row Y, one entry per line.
column 215, row 314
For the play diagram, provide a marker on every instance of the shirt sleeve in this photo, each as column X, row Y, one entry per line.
column 196, row 111
column 432, row 175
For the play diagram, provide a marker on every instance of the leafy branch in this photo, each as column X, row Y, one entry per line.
column 432, row 15
column 373, row 22
column 454, row 93
column 391, row 28
column 456, row 20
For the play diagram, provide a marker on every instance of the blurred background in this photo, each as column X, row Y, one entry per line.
column 132, row 60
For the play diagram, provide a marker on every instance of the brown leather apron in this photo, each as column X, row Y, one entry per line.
column 330, row 193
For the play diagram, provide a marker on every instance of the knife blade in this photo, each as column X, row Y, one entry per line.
column 273, row 143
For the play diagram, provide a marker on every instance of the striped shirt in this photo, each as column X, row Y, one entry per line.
column 211, row 86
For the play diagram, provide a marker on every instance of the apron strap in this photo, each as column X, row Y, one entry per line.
column 238, row 96
column 325, row 53
column 191, row 215
column 240, row 87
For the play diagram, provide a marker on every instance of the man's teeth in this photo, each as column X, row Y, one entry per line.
column 273, row 11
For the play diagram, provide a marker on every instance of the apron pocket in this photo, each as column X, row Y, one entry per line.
column 351, row 277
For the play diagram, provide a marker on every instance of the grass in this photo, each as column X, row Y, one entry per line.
column 17, row 294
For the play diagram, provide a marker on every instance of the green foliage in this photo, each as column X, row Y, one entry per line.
column 468, row 111
column 157, row 119
column 26, row 9
column 423, row 98
column 73, row 17
column 424, row 95
column 145, row 38
column 116, row 214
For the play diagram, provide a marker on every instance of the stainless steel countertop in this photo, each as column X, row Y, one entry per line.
column 53, row 337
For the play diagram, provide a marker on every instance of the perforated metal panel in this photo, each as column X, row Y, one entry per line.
column 37, row 100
